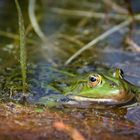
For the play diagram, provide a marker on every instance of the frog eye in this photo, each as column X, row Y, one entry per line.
column 94, row 80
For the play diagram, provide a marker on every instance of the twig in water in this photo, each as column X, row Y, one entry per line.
column 71, row 39
column 99, row 38
column 87, row 14
column 132, row 44
column 15, row 36
column 115, row 6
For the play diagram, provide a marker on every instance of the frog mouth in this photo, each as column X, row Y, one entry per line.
column 85, row 99
column 107, row 101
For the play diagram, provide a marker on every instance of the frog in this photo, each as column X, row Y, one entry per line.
column 100, row 86
column 103, row 88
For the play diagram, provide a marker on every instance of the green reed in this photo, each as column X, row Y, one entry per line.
column 22, row 45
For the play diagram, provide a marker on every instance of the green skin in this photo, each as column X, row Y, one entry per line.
column 113, row 89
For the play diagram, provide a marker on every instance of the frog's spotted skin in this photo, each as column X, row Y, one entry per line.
column 105, row 88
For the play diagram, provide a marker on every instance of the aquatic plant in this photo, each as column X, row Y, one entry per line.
column 22, row 42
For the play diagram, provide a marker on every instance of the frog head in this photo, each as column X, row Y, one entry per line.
column 108, row 88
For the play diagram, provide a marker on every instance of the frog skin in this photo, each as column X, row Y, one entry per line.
column 100, row 88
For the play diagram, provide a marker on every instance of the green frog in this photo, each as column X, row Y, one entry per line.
column 102, row 88
column 109, row 88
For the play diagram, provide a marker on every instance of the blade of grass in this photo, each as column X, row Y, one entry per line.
column 31, row 10
column 22, row 41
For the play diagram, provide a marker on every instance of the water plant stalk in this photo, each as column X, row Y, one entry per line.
column 22, row 42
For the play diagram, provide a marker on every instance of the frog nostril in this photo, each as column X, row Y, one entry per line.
column 113, row 84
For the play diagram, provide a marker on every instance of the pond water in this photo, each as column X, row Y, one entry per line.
column 66, row 32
